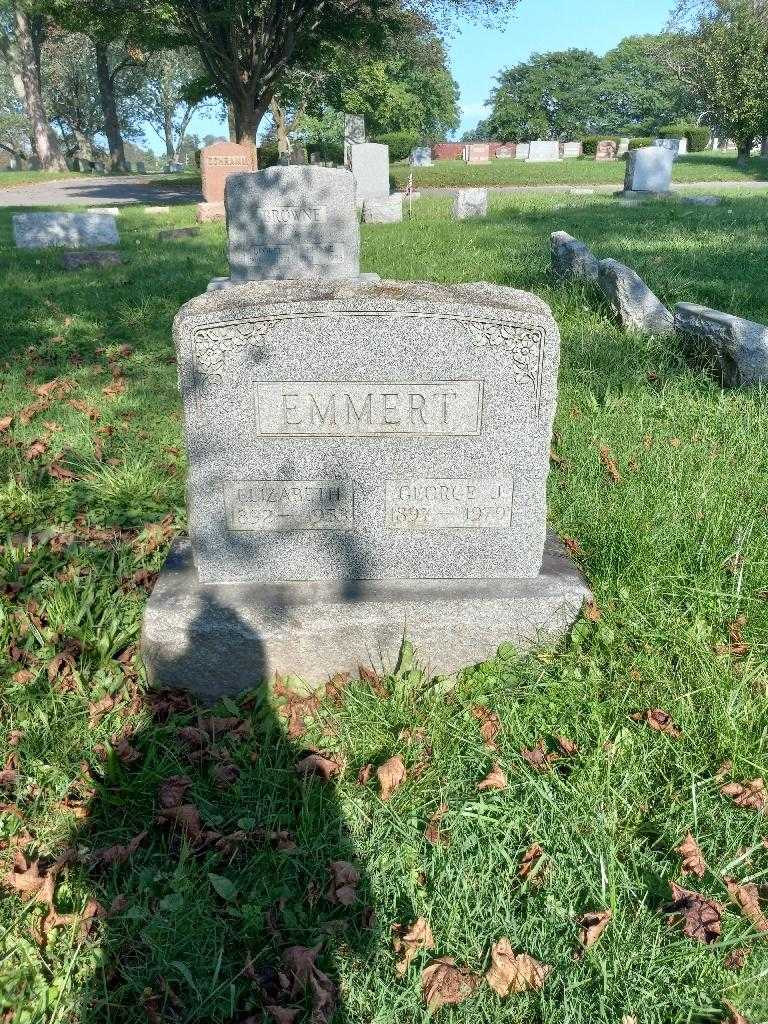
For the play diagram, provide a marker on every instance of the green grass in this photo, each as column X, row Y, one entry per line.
column 708, row 166
column 675, row 551
column 10, row 178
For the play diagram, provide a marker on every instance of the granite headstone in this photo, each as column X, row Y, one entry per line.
column 739, row 347
column 649, row 171
column 606, row 150
column 292, row 222
column 421, row 156
column 74, row 230
column 572, row 149
column 217, row 163
column 543, row 152
column 470, row 203
column 477, row 153
column 369, row 162
column 354, row 135
column 521, row 150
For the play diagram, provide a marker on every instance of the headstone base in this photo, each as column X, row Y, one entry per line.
column 207, row 212
column 220, row 639
column 629, row 193
column 216, row 284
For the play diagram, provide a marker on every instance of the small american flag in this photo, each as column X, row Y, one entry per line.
column 409, row 194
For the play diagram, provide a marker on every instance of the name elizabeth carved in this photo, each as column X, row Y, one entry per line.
column 520, row 340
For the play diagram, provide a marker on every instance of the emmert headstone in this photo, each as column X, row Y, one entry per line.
column 362, row 458
column 292, row 222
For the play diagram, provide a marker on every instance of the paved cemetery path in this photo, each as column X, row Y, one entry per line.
column 97, row 191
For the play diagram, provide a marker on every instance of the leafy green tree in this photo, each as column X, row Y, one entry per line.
column 721, row 55
column 549, row 96
column 169, row 95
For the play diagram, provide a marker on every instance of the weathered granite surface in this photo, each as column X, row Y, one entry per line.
column 348, row 430
column 633, row 302
column 541, row 152
column 218, row 162
column 369, row 162
column 572, row 149
column 740, row 347
column 385, row 210
column 82, row 258
column 477, row 152
column 208, row 212
column 606, row 150
column 75, row 230
column 470, row 202
column 292, row 222
column 649, row 169
column 421, row 156
column 571, row 259
column 702, row 200
column 222, row 639
column 113, row 211
column 522, row 150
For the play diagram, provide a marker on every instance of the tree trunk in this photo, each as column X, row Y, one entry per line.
column 283, row 141
column 170, row 149
column 743, row 151
column 247, row 116
column 764, row 146
column 231, row 123
column 44, row 141
column 109, row 109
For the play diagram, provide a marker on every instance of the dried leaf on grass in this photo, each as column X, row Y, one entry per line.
column 734, row 1017
column 592, row 925
column 751, row 795
column 495, row 779
column 374, row 680
column 700, row 916
column 512, row 973
column 693, row 859
column 391, row 775
column 171, row 792
column 489, row 724
column 410, row 940
column 530, row 864
column 611, row 468
column 186, row 818
column 344, row 880
column 746, row 896
column 736, row 646
column 433, row 833
column 117, row 854
column 445, row 984
column 299, row 963
column 659, row 720
column 315, row 763
column 736, row 959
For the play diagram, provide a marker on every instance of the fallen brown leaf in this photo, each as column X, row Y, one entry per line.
column 99, row 709
column 117, row 387
column 591, row 612
column 693, row 859
column 433, row 833
column 374, row 680
column 567, row 747
column 171, row 792
column 700, row 915
column 410, row 940
column 36, row 449
column 225, row 774
column 538, row 757
column 279, row 1014
column 736, row 959
column 117, row 854
column 607, row 459
column 186, row 818
column 751, row 795
column 736, row 646
column 495, row 779
column 529, row 864
column 87, row 410
column 734, row 1017
column 316, row 763
column 391, row 775
column 5, row 422
column 659, row 720
column 593, row 924
column 365, row 775
column 344, row 881
column 299, row 962
column 512, row 973
column 445, row 984
column 573, row 546
column 746, row 896
column 489, row 724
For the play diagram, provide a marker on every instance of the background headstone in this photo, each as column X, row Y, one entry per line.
column 74, row 230
column 572, row 149
column 606, row 150
column 370, row 169
column 470, row 202
column 505, row 153
column 633, row 302
column 541, row 152
column 740, row 347
column 384, row 210
column 477, row 153
column 421, row 156
column 292, row 222
column 82, row 258
column 571, row 259
column 649, row 170
column 220, row 160
column 623, row 146
column 521, row 150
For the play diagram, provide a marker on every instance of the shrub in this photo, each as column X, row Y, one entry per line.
column 639, row 143
column 589, row 142
column 400, row 143
column 268, row 155
column 696, row 135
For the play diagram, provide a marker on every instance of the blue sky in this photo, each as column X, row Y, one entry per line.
column 477, row 54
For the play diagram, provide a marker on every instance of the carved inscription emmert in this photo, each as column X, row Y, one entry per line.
column 423, row 504
column 356, row 409
column 275, row 505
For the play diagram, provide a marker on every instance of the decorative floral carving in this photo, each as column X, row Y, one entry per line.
column 211, row 347
column 525, row 343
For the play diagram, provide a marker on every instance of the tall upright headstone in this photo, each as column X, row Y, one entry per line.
column 572, row 149
column 477, row 153
column 363, row 458
column 292, row 222
column 370, row 168
column 649, row 172
column 543, row 152
column 522, row 149
column 354, row 134
column 217, row 163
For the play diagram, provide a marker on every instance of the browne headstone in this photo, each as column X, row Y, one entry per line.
column 217, row 163
column 421, row 156
column 477, row 153
column 74, row 230
column 384, row 448
column 354, row 135
column 369, row 162
column 606, row 150
column 649, row 172
column 543, row 152
column 292, row 222
column 470, row 202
